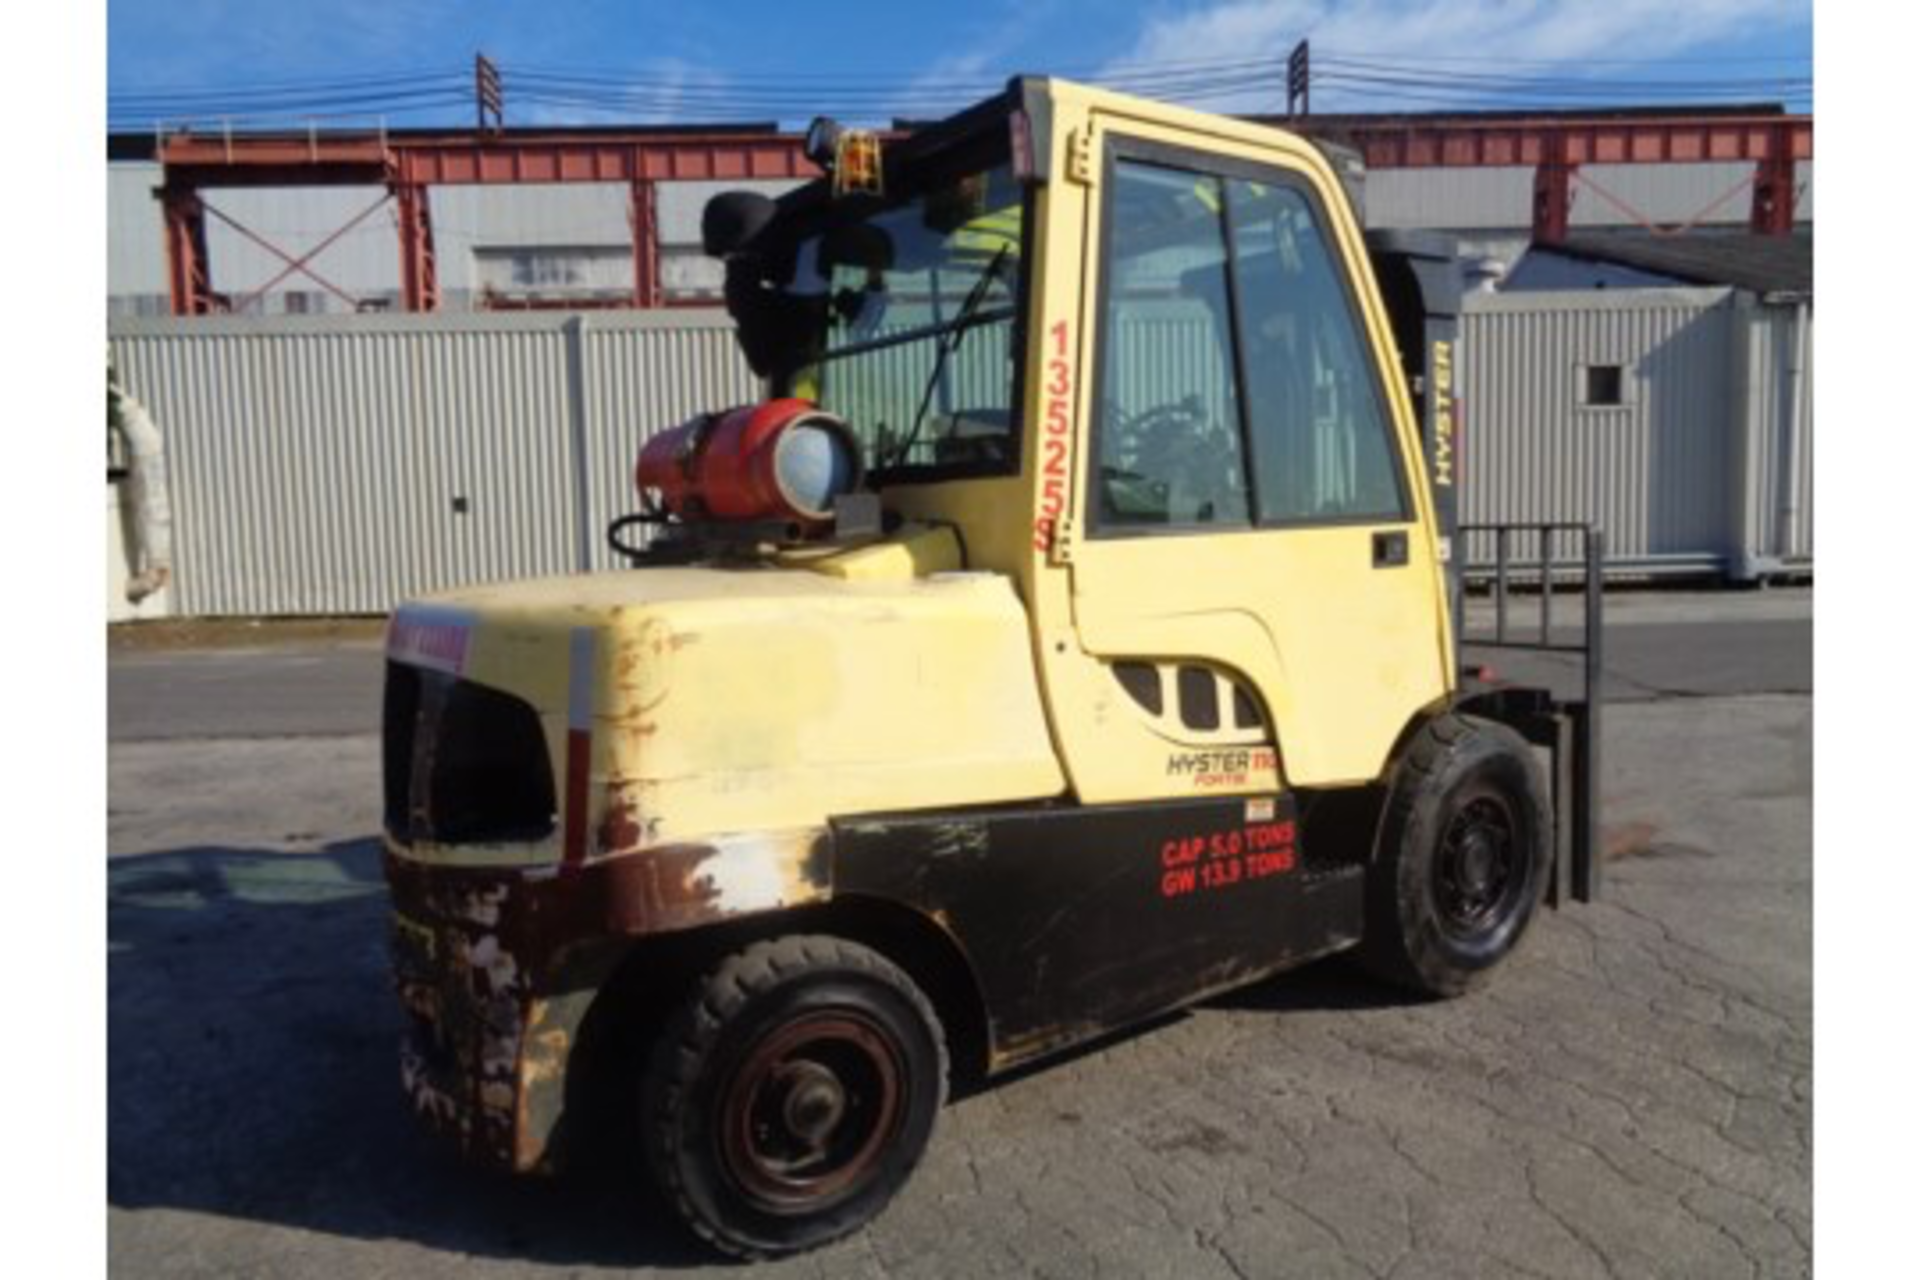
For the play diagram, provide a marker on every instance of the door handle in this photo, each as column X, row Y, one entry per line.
column 1390, row 549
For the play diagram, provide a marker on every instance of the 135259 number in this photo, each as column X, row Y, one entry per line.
column 1056, row 435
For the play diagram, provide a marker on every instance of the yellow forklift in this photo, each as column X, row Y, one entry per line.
column 1071, row 635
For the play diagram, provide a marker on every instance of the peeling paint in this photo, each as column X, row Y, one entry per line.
column 498, row 965
column 416, row 933
column 743, row 879
column 483, row 908
column 485, row 968
column 958, row 840
column 619, row 828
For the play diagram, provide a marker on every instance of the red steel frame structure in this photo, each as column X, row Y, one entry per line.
column 407, row 164
column 1557, row 146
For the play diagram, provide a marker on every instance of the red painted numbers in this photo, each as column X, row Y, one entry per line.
column 1055, row 438
column 1196, row 864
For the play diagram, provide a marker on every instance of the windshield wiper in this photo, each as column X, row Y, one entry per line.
column 949, row 343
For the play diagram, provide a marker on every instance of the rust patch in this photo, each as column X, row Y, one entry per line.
column 640, row 666
column 541, row 1097
column 671, row 887
column 486, row 966
column 1012, row 1050
column 619, row 826
column 1627, row 840
column 415, row 933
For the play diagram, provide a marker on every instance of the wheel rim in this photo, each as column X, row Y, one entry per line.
column 811, row 1110
column 1479, row 876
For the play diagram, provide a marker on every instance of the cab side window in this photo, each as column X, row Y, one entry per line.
column 1168, row 441
column 1322, row 444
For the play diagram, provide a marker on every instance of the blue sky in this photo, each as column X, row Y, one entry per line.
column 926, row 51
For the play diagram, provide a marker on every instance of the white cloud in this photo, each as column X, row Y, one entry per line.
column 952, row 79
column 1408, row 30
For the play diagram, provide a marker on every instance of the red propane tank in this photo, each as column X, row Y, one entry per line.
column 779, row 460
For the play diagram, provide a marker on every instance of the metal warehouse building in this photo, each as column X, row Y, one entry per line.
column 1661, row 387
column 414, row 220
column 322, row 461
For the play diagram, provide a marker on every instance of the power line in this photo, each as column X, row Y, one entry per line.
column 603, row 92
column 341, row 81
column 1573, row 61
column 1393, row 68
column 1565, row 91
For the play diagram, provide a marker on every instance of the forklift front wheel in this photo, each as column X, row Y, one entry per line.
column 1463, row 857
column 793, row 1095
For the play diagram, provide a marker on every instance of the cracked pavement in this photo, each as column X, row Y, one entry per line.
column 1631, row 1096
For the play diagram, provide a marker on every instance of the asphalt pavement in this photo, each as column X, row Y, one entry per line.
column 1631, row 1096
column 1658, row 644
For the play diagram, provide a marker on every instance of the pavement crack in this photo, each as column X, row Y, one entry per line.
column 1530, row 1173
column 1212, row 1245
column 1687, row 1207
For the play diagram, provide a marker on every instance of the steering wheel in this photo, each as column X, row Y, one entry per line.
column 1177, row 449
column 862, row 311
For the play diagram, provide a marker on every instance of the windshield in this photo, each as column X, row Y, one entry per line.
column 912, row 322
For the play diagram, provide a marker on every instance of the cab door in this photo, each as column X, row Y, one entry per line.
column 1251, row 506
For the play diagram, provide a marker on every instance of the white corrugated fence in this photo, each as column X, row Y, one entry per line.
column 335, row 465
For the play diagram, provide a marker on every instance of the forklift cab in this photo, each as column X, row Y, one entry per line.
column 1234, row 369
column 1165, row 346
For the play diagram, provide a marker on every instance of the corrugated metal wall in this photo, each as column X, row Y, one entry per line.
column 1495, row 196
column 641, row 378
column 136, row 233
column 1777, row 517
column 1686, row 473
column 336, row 465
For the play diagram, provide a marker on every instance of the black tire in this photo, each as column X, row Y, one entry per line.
column 1462, row 859
column 793, row 1095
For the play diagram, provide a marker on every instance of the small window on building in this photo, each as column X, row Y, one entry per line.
column 1602, row 387
column 510, row 274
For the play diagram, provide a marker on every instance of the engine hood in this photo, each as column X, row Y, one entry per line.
column 684, row 704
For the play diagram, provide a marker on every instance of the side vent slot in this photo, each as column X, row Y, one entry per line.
column 1142, row 682
column 1245, row 714
column 1193, row 702
column 1199, row 699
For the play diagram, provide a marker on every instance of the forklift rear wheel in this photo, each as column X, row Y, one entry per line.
column 793, row 1095
column 1463, row 857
